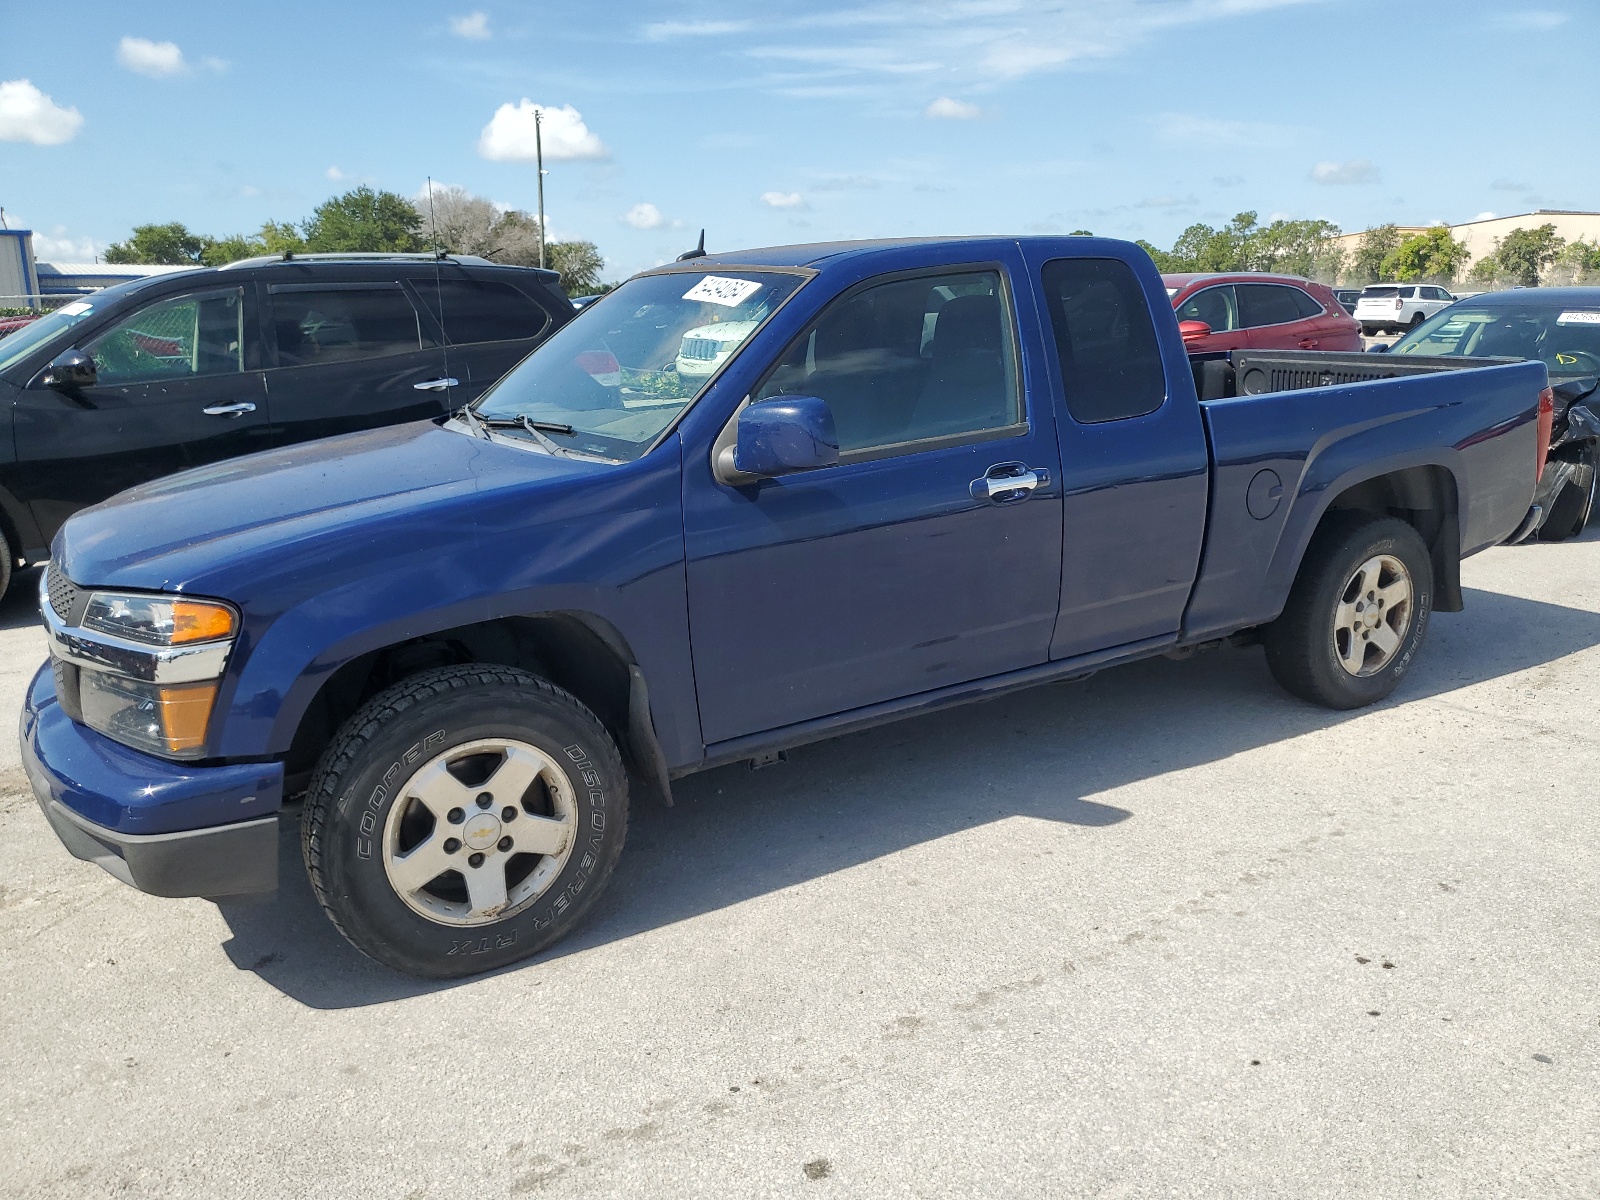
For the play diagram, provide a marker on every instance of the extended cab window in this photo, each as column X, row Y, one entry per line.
column 1213, row 305
column 473, row 310
column 198, row 334
column 1268, row 304
column 1110, row 362
column 323, row 323
column 913, row 359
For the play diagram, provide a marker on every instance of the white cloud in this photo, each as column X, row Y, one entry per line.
column 988, row 39
column 1537, row 19
column 645, row 216
column 1486, row 216
column 662, row 31
column 1191, row 130
column 946, row 109
column 60, row 246
column 1356, row 171
column 783, row 200
column 474, row 26
column 156, row 59
column 509, row 135
column 335, row 174
column 28, row 115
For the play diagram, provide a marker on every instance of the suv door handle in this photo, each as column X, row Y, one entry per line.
column 229, row 410
column 437, row 385
column 1308, row 343
column 1005, row 482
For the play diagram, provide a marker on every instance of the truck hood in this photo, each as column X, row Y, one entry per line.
column 167, row 534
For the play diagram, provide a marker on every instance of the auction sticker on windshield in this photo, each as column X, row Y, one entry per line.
column 73, row 309
column 1578, row 318
column 715, row 289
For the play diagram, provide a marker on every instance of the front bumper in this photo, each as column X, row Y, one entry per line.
column 170, row 829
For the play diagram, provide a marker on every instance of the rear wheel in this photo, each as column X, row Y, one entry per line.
column 464, row 819
column 6, row 564
column 1357, row 612
column 1571, row 509
column 1416, row 320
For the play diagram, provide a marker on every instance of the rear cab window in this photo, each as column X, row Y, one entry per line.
column 1111, row 366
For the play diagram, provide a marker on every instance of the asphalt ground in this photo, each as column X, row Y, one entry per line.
column 1165, row 932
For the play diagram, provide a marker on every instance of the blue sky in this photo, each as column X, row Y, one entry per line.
column 798, row 121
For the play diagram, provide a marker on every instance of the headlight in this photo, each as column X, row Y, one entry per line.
column 158, row 620
column 146, row 667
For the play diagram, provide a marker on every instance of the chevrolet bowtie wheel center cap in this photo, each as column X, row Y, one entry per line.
column 482, row 831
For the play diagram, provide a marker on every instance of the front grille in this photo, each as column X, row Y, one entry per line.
column 700, row 348
column 65, row 596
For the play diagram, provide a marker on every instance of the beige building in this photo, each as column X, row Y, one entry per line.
column 1481, row 237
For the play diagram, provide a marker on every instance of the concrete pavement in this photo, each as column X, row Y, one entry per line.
column 1165, row 932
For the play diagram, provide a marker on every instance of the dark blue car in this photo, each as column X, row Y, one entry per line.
column 741, row 503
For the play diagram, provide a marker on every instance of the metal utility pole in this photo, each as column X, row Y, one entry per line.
column 538, row 154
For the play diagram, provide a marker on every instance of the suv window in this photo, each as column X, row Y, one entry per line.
column 1308, row 304
column 1267, row 304
column 906, row 361
column 198, row 334
column 473, row 310
column 1215, row 306
column 1110, row 362
column 323, row 323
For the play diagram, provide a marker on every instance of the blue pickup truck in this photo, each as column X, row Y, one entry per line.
column 741, row 503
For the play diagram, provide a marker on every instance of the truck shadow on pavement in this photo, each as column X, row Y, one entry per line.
column 737, row 834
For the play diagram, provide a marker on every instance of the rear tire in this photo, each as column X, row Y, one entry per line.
column 1570, row 511
column 7, row 563
column 464, row 819
column 1416, row 320
column 1357, row 613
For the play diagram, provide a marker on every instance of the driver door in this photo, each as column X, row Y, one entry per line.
column 177, row 386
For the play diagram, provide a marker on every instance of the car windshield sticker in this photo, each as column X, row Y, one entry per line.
column 714, row 289
column 1578, row 318
column 76, row 308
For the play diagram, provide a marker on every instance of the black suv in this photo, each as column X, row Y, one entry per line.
column 157, row 375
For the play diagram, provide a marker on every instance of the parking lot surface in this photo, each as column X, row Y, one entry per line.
column 1165, row 932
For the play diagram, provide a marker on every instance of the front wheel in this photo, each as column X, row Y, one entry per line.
column 464, row 819
column 1357, row 612
column 1570, row 510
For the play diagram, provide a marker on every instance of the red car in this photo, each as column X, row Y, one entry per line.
column 1259, row 312
column 12, row 324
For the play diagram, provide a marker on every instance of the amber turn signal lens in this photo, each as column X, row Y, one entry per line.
column 185, row 712
column 197, row 621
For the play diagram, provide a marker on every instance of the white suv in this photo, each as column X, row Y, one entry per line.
column 1391, row 307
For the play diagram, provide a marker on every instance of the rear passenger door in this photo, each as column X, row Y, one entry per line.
column 489, row 324
column 350, row 355
column 1273, row 314
column 1134, row 463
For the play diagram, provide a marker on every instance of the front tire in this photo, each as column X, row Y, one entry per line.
column 1570, row 510
column 464, row 819
column 1356, row 615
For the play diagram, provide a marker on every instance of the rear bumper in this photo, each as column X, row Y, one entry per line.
column 170, row 829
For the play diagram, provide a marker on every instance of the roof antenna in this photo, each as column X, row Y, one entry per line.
column 698, row 252
column 438, row 292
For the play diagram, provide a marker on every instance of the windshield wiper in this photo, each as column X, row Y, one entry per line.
column 473, row 422
column 535, row 428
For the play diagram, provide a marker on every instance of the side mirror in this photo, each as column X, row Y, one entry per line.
column 69, row 371
column 779, row 437
column 1193, row 331
column 1378, row 348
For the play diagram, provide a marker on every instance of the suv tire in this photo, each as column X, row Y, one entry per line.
column 464, row 819
column 1357, row 612
column 1570, row 510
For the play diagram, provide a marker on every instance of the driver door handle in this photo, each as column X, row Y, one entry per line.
column 437, row 385
column 229, row 410
column 1006, row 482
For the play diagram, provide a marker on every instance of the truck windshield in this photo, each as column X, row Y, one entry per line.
column 622, row 370
column 1566, row 338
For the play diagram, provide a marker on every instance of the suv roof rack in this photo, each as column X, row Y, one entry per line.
column 263, row 260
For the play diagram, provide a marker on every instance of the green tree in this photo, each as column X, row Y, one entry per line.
column 1165, row 262
column 364, row 220
column 1523, row 254
column 1376, row 244
column 279, row 237
column 171, row 244
column 1304, row 248
column 1202, row 248
column 579, row 264
column 1579, row 262
column 1434, row 255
